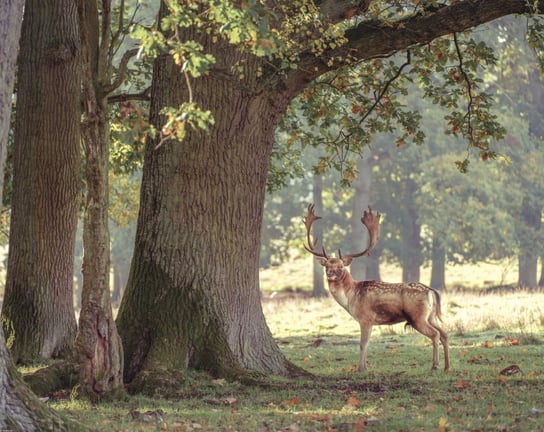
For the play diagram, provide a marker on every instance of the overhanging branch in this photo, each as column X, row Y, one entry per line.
column 372, row 39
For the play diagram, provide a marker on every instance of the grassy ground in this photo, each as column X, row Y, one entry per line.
column 488, row 334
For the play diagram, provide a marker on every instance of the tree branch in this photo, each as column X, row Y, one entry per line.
column 123, row 97
column 335, row 11
column 122, row 71
column 386, row 88
column 382, row 40
column 374, row 38
column 470, row 106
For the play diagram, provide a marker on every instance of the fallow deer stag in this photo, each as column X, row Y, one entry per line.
column 378, row 303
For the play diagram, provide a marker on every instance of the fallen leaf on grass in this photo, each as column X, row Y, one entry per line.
column 292, row 402
column 359, row 425
column 229, row 401
column 321, row 418
column 510, row 342
column 353, row 403
column 316, row 342
column 462, row 384
column 148, row 416
column 478, row 360
column 442, row 424
column 429, row 408
column 510, row 370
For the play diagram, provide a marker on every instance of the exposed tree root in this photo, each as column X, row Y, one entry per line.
column 58, row 376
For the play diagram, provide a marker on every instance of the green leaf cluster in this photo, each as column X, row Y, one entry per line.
column 187, row 114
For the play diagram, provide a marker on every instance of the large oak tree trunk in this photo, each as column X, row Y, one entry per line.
column 38, row 312
column 193, row 299
column 20, row 410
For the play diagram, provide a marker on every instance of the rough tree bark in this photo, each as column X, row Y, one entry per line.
column 38, row 312
column 98, row 345
column 192, row 299
column 20, row 410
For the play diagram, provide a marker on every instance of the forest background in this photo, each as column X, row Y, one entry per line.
column 433, row 215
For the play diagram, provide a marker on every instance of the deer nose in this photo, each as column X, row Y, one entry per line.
column 331, row 273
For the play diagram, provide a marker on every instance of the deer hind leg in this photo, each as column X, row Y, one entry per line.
column 443, row 341
column 365, row 336
column 433, row 333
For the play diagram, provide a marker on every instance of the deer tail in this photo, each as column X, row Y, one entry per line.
column 438, row 305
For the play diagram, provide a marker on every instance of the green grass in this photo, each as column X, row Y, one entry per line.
column 397, row 393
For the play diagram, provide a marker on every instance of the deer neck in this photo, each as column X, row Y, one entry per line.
column 342, row 289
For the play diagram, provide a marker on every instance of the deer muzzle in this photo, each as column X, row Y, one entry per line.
column 335, row 274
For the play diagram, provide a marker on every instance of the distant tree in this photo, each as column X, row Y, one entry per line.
column 317, row 199
column 520, row 87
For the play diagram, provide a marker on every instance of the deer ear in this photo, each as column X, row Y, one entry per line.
column 347, row 260
column 322, row 261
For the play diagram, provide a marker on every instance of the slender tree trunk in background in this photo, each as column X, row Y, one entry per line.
column 361, row 200
column 193, row 298
column 528, row 257
column 98, row 346
column 541, row 280
column 438, row 266
column 411, row 259
column 20, row 409
column 119, row 282
column 373, row 265
column 38, row 311
column 319, row 282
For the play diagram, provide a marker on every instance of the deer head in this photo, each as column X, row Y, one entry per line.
column 335, row 266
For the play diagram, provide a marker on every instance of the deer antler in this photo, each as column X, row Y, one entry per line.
column 372, row 223
column 308, row 220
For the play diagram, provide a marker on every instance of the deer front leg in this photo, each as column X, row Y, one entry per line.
column 366, row 329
